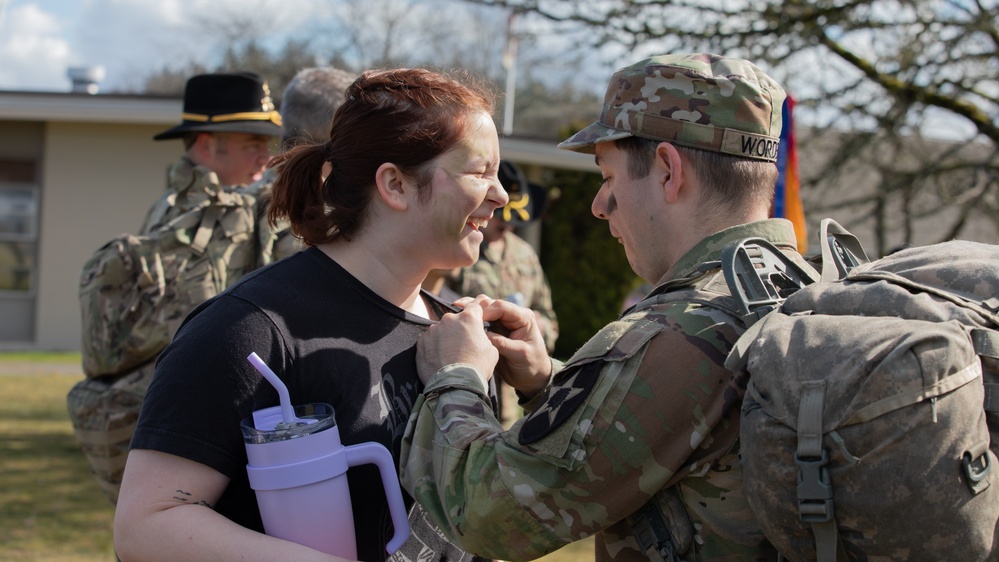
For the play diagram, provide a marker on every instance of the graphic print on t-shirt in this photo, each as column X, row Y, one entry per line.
column 395, row 403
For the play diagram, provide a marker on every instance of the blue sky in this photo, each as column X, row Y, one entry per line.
column 41, row 39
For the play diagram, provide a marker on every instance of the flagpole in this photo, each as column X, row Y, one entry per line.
column 510, row 64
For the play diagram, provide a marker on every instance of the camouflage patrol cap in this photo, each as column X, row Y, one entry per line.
column 698, row 100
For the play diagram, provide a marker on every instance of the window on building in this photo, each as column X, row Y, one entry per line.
column 18, row 227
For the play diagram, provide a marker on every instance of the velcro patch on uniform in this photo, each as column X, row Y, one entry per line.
column 560, row 403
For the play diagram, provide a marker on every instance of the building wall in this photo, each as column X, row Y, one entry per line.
column 98, row 180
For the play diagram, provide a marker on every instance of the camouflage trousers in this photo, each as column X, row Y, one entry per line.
column 104, row 411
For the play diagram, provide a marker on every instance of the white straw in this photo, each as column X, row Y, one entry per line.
column 287, row 411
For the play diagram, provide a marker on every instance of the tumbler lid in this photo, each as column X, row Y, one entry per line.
column 267, row 425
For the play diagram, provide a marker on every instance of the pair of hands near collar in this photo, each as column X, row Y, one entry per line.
column 511, row 346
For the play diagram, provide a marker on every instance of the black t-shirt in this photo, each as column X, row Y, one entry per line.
column 330, row 339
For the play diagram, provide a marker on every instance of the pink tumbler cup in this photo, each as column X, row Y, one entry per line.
column 298, row 471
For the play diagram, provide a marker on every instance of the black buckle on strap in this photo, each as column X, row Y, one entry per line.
column 815, row 489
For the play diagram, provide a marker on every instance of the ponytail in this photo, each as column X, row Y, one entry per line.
column 407, row 117
column 298, row 193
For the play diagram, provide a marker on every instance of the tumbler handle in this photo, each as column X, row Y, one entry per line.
column 378, row 455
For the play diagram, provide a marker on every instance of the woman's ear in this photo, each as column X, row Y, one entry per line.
column 669, row 166
column 391, row 185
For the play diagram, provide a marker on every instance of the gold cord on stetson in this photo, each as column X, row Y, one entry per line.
column 238, row 102
column 272, row 116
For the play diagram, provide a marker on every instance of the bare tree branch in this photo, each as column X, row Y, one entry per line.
column 872, row 77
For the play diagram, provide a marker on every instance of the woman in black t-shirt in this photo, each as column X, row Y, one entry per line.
column 402, row 187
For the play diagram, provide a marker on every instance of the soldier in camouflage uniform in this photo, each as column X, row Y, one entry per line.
column 635, row 438
column 508, row 268
column 227, row 123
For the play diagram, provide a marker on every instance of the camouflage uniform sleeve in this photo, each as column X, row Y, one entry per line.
column 273, row 241
column 644, row 402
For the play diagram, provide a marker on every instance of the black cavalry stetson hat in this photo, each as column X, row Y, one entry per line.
column 226, row 103
column 527, row 200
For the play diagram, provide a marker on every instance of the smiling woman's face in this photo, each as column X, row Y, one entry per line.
column 465, row 190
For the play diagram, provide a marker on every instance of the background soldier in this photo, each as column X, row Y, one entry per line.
column 104, row 410
column 227, row 124
column 508, row 268
column 307, row 106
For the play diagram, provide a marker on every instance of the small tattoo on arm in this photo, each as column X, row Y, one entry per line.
column 186, row 497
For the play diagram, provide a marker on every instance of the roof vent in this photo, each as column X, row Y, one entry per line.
column 86, row 78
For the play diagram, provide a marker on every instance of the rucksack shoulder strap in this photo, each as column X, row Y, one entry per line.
column 210, row 212
column 841, row 251
column 205, row 229
column 760, row 277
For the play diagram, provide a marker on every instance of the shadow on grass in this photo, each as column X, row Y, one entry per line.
column 53, row 509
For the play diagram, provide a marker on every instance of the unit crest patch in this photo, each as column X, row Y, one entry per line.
column 560, row 403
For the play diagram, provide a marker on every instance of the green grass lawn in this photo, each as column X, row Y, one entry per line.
column 61, row 357
column 52, row 509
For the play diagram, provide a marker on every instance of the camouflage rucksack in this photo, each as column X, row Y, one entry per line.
column 869, row 428
column 136, row 290
column 134, row 293
column 104, row 411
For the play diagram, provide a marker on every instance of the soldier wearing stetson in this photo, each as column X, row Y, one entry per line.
column 227, row 124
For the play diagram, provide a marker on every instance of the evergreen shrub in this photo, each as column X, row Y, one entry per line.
column 586, row 267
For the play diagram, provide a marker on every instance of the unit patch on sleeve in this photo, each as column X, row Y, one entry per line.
column 560, row 403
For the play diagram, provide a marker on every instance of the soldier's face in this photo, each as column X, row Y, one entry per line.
column 496, row 228
column 239, row 158
column 629, row 205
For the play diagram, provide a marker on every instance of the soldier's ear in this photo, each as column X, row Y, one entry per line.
column 205, row 141
column 668, row 167
column 202, row 150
